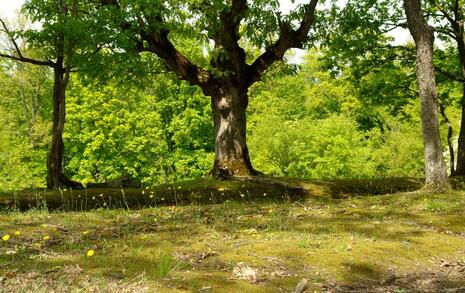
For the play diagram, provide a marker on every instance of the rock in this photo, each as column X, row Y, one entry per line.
column 391, row 277
column 301, row 287
column 244, row 272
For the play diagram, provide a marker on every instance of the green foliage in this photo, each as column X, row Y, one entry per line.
column 17, row 158
column 24, row 111
column 314, row 126
column 64, row 31
column 302, row 123
column 107, row 137
column 156, row 135
column 325, row 148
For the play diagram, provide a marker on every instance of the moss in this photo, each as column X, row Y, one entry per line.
column 323, row 239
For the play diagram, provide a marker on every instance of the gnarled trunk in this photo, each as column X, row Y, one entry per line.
column 229, row 106
column 55, row 175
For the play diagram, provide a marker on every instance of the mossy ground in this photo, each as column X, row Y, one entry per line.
column 356, row 241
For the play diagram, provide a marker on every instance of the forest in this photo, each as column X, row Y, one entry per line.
column 228, row 145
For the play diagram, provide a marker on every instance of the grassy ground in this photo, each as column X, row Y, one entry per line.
column 265, row 240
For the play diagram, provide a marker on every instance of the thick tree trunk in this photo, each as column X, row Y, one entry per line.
column 436, row 174
column 229, row 106
column 55, row 175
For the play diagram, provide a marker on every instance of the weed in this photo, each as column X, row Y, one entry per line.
column 166, row 263
column 436, row 206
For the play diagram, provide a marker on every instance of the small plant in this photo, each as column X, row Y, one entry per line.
column 278, row 221
column 435, row 206
column 166, row 264
column 304, row 243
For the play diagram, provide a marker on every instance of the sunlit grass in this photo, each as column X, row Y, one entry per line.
column 190, row 247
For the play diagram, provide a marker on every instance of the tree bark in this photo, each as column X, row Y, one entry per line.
column 423, row 35
column 459, row 31
column 229, row 106
column 450, row 132
column 55, row 174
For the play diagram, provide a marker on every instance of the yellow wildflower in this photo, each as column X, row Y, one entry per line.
column 6, row 237
column 17, row 233
column 46, row 237
column 90, row 252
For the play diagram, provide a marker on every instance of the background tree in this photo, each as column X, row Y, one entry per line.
column 58, row 49
column 423, row 35
column 449, row 20
column 59, row 38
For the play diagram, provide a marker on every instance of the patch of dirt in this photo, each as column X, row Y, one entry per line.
column 444, row 277
column 68, row 279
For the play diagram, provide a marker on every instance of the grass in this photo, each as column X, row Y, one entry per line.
column 196, row 246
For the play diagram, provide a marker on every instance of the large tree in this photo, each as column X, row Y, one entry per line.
column 226, row 27
column 423, row 35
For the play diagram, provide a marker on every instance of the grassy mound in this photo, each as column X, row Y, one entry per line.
column 204, row 191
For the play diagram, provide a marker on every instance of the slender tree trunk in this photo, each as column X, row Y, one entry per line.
column 55, row 175
column 460, row 170
column 423, row 35
column 450, row 132
column 229, row 106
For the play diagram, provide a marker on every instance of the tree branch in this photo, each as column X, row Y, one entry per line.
column 288, row 38
column 10, row 36
column 28, row 60
column 20, row 56
column 449, row 75
column 158, row 43
column 444, row 12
